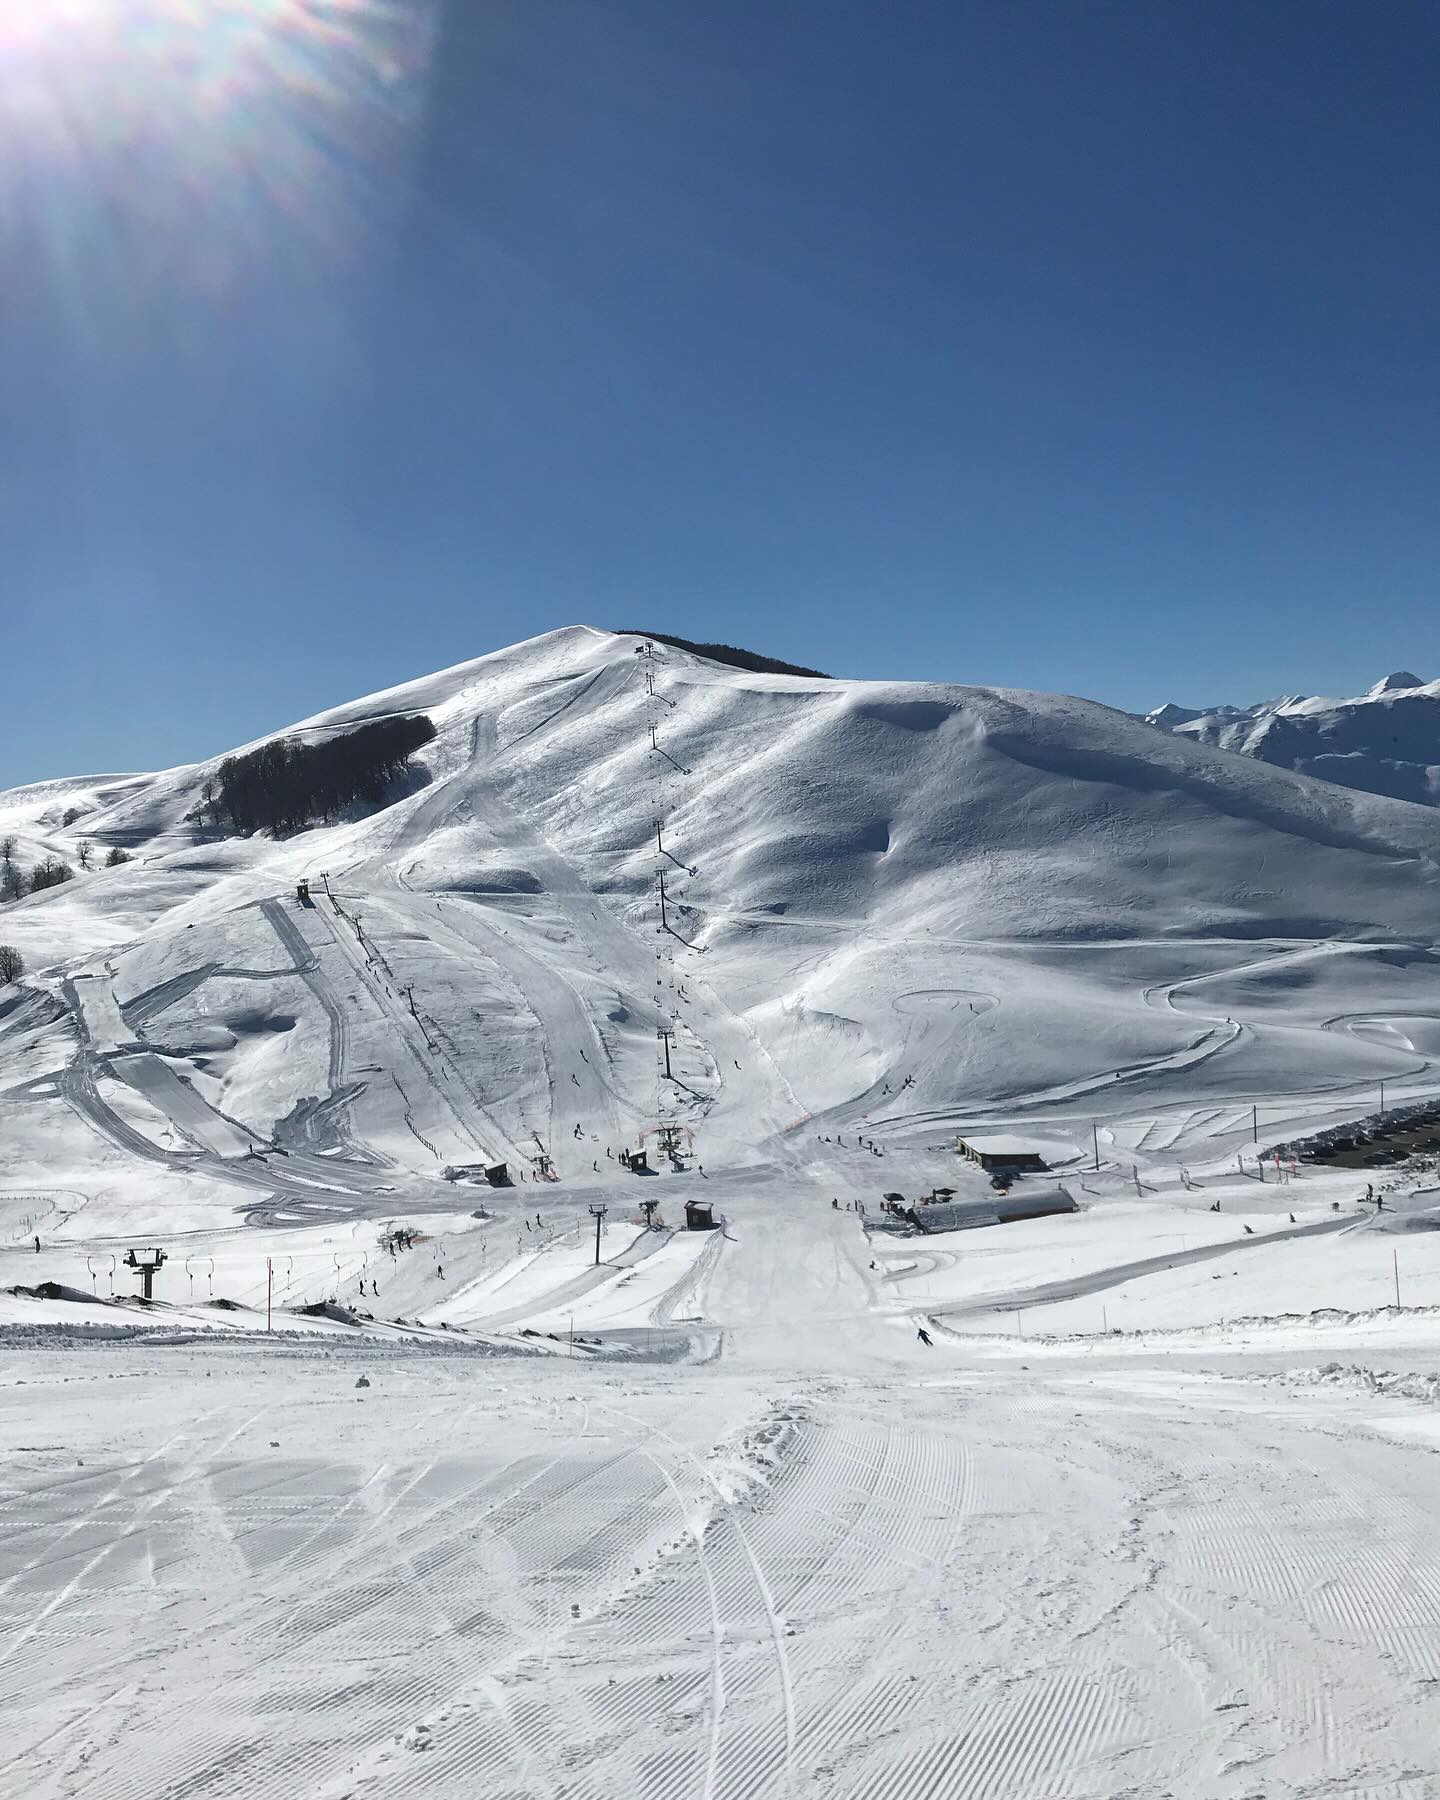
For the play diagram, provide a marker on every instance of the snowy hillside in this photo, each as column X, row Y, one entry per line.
column 852, row 860
column 1386, row 741
column 418, row 1486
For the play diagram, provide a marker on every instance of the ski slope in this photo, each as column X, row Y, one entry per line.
column 628, row 1508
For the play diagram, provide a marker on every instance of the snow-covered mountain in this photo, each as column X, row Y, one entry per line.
column 852, row 860
column 1385, row 741
column 716, row 1501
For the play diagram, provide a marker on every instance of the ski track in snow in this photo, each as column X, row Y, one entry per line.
column 703, row 1517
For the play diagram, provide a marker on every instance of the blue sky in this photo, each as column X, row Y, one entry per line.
column 1070, row 345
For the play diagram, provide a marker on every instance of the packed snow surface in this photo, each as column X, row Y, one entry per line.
column 408, row 1485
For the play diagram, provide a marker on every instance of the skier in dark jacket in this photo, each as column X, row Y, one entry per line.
column 923, row 1335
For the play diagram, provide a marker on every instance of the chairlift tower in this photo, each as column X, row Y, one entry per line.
column 145, row 1263
column 597, row 1213
column 665, row 772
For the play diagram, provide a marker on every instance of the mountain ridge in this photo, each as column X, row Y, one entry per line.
column 1384, row 741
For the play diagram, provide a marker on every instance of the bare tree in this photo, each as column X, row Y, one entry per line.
column 12, row 964
column 82, row 852
column 116, row 857
column 49, row 873
column 12, row 881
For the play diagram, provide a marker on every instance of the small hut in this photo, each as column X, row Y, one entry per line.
column 1014, row 1155
column 699, row 1216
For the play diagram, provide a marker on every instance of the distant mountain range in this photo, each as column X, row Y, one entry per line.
column 1385, row 741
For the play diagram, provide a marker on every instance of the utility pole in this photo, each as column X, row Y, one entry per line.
column 597, row 1213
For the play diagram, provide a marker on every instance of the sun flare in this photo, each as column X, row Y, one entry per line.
column 209, row 131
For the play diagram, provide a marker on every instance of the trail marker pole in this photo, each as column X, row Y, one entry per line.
column 1395, row 1254
column 1095, row 1135
column 1382, row 1096
column 269, row 1288
column 1255, row 1125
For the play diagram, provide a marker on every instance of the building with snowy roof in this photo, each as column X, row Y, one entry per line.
column 1002, row 1151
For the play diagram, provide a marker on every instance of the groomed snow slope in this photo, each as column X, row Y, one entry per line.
column 666, row 1513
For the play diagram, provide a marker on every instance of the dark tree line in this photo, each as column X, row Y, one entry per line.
column 731, row 654
column 286, row 784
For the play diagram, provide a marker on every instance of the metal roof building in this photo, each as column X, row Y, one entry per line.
column 999, row 1209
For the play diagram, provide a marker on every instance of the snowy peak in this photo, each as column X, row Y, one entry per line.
column 1384, row 741
column 1400, row 682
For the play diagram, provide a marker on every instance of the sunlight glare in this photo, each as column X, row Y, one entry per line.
column 208, row 135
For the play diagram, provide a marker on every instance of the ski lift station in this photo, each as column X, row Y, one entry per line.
column 1016, row 1155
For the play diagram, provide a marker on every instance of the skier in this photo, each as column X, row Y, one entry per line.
column 37, row 1244
column 923, row 1335
column 440, row 1270
column 836, row 1205
column 1249, row 1231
